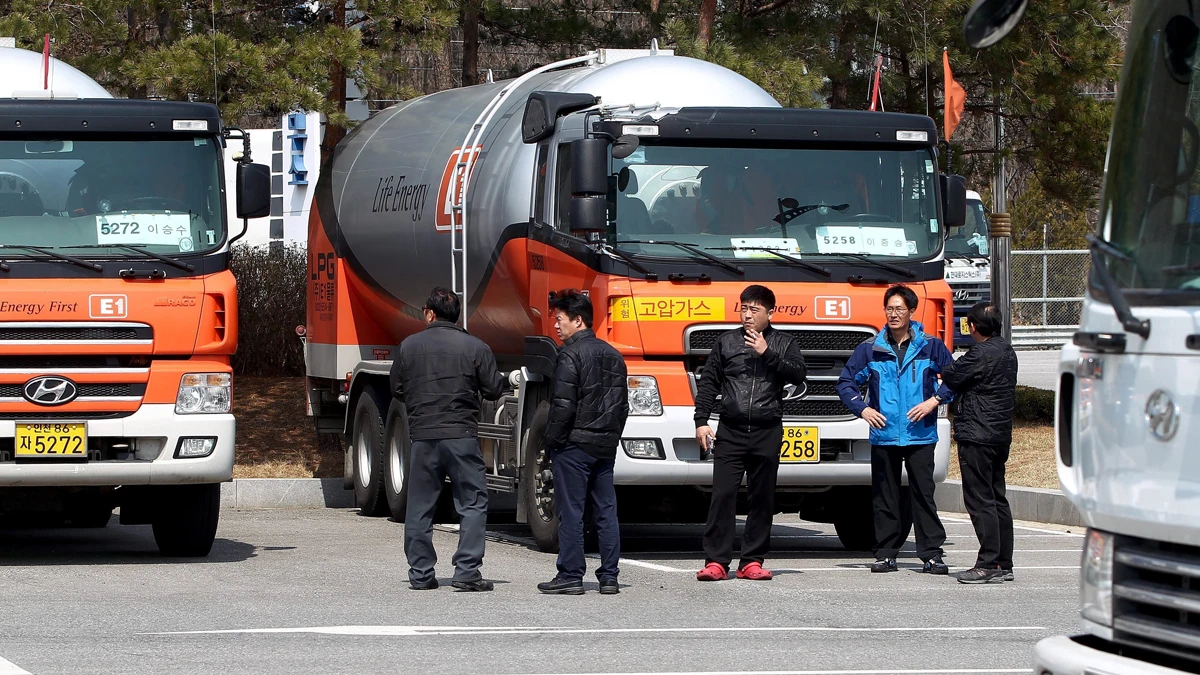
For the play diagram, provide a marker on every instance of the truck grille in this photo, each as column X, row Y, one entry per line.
column 969, row 293
column 66, row 417
column 41, row 333
column 702, row 341
column 65, row 361
column 1156, row 597
column 817, row 408
column 14, row 391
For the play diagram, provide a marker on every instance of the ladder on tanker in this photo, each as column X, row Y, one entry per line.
column 468, row 153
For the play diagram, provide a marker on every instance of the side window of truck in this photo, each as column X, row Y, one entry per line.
column 562, row 187
column 539, row 183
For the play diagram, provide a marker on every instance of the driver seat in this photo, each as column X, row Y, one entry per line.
column 633, row 217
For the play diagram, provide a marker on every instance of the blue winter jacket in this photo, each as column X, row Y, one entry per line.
column 894, row 388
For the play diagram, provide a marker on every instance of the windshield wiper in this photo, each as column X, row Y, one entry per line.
column 136, row 248
column 95, row 267
column 690, row 249
column 1130, row 322
column 633, row 263
column 879, row 263
column 790, row 209
column 802, row 263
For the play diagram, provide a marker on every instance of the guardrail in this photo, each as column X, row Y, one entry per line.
column 1041, row 336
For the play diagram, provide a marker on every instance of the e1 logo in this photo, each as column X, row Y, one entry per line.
column 832, row 308
column 323, row 263
column 108, row 306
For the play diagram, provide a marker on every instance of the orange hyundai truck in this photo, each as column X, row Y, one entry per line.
column 117, row 312
column 661, row 186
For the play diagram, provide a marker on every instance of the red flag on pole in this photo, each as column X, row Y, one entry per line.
column 875, row 85
column 46, row 63
column 956, row 98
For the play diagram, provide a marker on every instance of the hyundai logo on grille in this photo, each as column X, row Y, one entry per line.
column 792, row 392
column 50, row 390
column 962, row 294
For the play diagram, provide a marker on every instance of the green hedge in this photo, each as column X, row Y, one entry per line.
column 271, row 303
column 1034, row 405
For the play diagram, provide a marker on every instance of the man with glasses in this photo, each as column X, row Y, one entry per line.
column 900, row 368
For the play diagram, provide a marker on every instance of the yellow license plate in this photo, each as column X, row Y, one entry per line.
column 800, row 444
column 962, row 326
column 52, row 440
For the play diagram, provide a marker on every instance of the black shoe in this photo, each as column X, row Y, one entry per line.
column 1008, row 574
column 609, row 586
column 430, row 585
column 884, row 565
column 936, row 566
column 477, row 585
column 561, row 586
column 980, row 575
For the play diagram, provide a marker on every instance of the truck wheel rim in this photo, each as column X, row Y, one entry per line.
column 396, row 458
column 363, row 448
column 543, row 490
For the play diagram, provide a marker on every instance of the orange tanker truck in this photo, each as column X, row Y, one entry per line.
column 661, row 186
column 117, row 306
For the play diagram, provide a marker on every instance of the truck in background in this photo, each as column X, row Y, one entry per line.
column 661, row 186
column 1128, row 402
column 117, row 307
column 969, row 266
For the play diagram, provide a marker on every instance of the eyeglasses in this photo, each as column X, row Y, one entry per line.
column 896, row 311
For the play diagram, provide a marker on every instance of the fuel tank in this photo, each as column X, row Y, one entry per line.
column 383, row 205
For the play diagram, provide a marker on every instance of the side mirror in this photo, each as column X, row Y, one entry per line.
column 253, row 190
column 988, row 21
column 588, row 211
column 954, row 201
column 543, row 108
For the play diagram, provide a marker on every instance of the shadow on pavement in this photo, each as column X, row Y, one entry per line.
column 36, row 545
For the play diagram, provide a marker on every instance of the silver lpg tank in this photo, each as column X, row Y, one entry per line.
column 383, row 185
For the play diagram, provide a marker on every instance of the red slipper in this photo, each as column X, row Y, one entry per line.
column 754, row 572
column 712, row 572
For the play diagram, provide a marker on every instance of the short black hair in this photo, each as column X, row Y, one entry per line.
column 986, row 318
column 574, row 304
column 444, row 304
column 759, row 295
column 906, row 294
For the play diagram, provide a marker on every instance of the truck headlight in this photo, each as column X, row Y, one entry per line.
column 203, row 393
column 643, row 396
column 1096, row 578
column 643, row 448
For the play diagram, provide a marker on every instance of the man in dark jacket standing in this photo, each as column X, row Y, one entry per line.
column 588, row 407
column 985, row 381
column 440, row 374
column 749, row 367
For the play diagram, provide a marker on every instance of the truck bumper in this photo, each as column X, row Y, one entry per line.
column 1064, row 656
column 152, row 425
column 675, row 431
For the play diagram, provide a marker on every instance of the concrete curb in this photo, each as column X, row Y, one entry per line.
column 286, row 493
column 1031, row 504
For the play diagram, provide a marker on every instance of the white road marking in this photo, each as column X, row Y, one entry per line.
column 640, row 563
column 962, row 521
column 468, row 630
column 890, row 671
column 9, row 668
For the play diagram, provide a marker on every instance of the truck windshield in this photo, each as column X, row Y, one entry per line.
column 734, row 202
column 1150, row 211
column 970, row 240
column 88, row 197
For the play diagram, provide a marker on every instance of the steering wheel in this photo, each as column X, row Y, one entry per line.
column 168, row 203
column 19, row 179
column 873, row 217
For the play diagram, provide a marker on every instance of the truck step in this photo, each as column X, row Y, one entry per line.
column 496, row 432
column 502, row 483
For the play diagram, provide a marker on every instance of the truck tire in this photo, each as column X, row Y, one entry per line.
column 186, row 520
column 537, row 483
column 397, row 460
column 368, row 449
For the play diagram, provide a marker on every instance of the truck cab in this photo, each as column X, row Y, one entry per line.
column 969, row 266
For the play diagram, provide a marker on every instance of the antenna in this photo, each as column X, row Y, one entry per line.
column 925, row 30
column 216, row 91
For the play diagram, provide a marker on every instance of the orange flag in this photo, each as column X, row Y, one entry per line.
column 956, row 97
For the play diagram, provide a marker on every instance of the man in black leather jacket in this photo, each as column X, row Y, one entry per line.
column 440, row 375
column 588, row 408
column 749, row 367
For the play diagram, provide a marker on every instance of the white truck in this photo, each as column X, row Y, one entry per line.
column 969, row 266
column 1128, row 422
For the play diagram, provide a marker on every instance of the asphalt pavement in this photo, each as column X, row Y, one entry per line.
column 326, row 591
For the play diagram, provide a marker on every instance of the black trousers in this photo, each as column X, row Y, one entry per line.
column 890, row 526
column 432, row 462
column 580, row 478
column 983, row 495
column 755, row 455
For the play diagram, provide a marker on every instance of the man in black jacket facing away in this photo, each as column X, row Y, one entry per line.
column 588, row 407
column 440, row 374
column 985, row 383
column 749, row 367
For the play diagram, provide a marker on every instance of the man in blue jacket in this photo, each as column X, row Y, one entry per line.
column 900, row 368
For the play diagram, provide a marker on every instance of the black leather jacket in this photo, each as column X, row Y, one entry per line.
column 984, row 382
column 590, row 398
column 751, row 386
column 440, row 374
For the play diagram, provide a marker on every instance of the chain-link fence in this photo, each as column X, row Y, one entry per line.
column 1047, row 290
